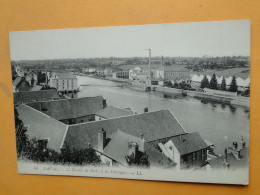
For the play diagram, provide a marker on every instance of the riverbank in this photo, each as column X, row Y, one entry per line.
column 204, row 96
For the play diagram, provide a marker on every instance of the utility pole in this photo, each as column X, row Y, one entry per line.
column 149, row 65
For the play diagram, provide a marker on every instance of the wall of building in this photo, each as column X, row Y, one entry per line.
column 68, row 84
column 82, row 119
column 194, row 159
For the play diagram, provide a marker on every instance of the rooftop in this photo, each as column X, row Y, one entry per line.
column 41, row 126
column 153, row 125
column 17, row 81
column 188, row 143
column 117, row 149
column 33, row 96
column 174, row 68
column 69, row 108
column 113, row 112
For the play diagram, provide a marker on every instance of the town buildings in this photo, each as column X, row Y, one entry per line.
column 120, row 75
column 25, row 97
column 243, row 84
column 172, row 73
column 64, row 82
column 187, row 151
column 71, row 111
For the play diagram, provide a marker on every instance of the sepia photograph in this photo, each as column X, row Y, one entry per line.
column 166, row 102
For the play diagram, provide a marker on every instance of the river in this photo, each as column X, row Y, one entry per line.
column 216, row 123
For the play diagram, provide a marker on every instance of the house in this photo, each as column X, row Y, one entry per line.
column 20, row 84
column 157, row 127
column 120, row 148
column 64, row 82
column 121, row 75
column 42, row 127
column 32, row 78
column 171, row 73
column 112, row 112
column 187, row 151
column 71, row 111
column 34, row 96
column 108, row 72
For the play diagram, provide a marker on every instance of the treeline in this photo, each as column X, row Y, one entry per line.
column 213, row 84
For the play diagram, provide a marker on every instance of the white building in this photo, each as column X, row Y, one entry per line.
column 65, row 82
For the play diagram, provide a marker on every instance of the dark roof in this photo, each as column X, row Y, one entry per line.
column 117, row 149
column 17, row 81
column 174, row 68
column 188, row 143
column 33, row 96
column 69, row 108
column 113, row 112
column 41, row 126
column 156, row 158
column 154, row 125
column 65, row 75
column 243, row 162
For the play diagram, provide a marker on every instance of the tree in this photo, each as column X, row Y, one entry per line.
column 204, row 82
column 223, row 84
column 141, row 159
column 233, row 85
column 213, row 82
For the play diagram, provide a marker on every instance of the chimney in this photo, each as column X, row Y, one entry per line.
column 162, row 61
column 101, row 139
column 235, row 145
column 104, row 103
column 146, row 109
column 132, row 149
column 142, row 143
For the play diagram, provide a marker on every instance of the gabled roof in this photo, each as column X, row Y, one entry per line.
column 174, row 68
column 188, row 143
column 69, row 108
column 113, row 112
column 154, row 125
column 33, row 96
column 41, row 126
column 65, row 75
column 117, row 149
column 17, row 81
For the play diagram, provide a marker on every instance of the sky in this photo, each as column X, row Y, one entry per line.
column 226, row 38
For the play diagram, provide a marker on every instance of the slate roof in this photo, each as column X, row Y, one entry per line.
column 113, row 112
column 41, row 126
column 189, row 143
column 32, row 96
column 69, row 108
column 117, row 149
column 154, row 125
column 174, row 68
column 65, row 75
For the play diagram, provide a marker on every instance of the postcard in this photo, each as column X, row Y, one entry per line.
column 166, row 102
